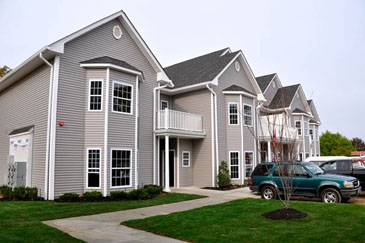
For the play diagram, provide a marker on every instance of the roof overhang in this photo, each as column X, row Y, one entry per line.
column 186, row 88
column 115, row 67
column 240, row 93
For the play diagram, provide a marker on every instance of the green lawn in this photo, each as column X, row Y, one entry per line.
column 21, row 221
column 241, row 221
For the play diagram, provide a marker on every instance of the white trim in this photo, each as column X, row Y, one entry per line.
column 301, row 127
column 130, row 166
column 245, row 165
column 243, row 114
column 239, row 166
column 106, row 127
column 87, row 167
column 186, row 88
column 228, row 50
column 242, row 125
column 229, row 113
column 213, row 136
column 182, row 159
column 178, row 163
column 136, row 136
column 240, row 93
column 113, row 66
column 89, row 95
column 164, row 101
column 132, row 98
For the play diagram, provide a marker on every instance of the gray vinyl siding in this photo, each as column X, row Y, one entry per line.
column 26, row 104
column 121, row 130
column 72, row 103
column 228, row 78
column 198, row 102
column 94, row 122
column 271, row 91
column 186, row 173
column 248, row 131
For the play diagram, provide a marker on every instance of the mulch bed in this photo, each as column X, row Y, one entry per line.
column 224, row 188
column 285, row 213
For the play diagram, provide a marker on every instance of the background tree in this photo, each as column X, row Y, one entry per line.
column 4, row 70
column 334, row 144
column 358, row 144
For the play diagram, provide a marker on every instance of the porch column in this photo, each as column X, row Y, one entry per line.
column 167, row 165
column 269, row 158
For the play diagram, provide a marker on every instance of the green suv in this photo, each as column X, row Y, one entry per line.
column 304, row 179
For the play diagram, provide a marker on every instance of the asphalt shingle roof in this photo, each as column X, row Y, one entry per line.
column 237, row 88
column 200, row 69
column 111, row 60
column 283, row 97
column 264, row 81
column 297, row 110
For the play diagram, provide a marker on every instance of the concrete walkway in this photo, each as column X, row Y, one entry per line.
column 106, row 227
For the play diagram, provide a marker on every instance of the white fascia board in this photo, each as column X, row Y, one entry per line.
column 186, row 88
column 115, row 67
column 240, row 93
column 228, row 50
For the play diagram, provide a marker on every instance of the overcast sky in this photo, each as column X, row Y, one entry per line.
column 319, row 44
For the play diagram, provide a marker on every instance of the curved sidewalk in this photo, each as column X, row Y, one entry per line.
column 106, row 227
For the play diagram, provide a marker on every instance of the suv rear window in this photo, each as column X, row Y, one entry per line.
column 262, row 170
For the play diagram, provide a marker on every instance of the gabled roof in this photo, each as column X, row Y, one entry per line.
column 297, row 110
column 314, row 112
column 110, row 60
column 264, row 81
column 284, row 97
column 57, row 48
column 200, row 69
column 237, row 88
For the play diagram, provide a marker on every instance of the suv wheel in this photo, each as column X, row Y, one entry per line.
column 330, row 195
column 268, row 192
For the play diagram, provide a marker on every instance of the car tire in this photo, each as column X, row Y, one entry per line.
column 330, row 195
column 268, row 193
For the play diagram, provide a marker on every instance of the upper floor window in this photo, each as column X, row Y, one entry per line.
column 164, row 104
column 311, row 134
column 186, row 159
column 247, row 115
column 233, row 113
column 122, row 97
column 95, row 95
column 298, row 125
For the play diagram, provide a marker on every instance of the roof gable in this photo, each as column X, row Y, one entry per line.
column 264, row 81
column 284, row 97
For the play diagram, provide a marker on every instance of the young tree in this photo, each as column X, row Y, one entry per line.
column 358, row 143
column 224, row 179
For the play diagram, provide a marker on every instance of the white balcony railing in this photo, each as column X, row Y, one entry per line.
column 171, row 119
column 285, row 132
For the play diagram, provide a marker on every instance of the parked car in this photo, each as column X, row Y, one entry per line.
column 346, row 166
column 307, row 180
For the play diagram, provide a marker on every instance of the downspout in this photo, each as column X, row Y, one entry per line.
column 154, row 129
column 48, row 124
column 258, row 119
column 106, row 132
column 136, row 135
column 215, row 156
column 242, row 147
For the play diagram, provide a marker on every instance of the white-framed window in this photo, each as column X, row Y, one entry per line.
column 247, row 115
column 164, row 104
column 298, row 125
column 121, row 164
column 93, row 167
column 311, row 134
column 306, row 128
column 186, row 159
column 248, row 162
column 233, row 113
column 122, row 97
column 95, row 95
column 316, row 134
column 234, row 164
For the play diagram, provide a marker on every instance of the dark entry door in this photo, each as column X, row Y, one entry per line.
column 172, row 168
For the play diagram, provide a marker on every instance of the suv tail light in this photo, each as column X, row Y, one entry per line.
column 251, row 180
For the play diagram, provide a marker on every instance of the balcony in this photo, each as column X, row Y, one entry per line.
column 284, row 132
column 180, row 124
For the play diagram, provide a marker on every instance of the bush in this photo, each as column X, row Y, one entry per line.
column 153, row 190
column 6, row 192
column 138, row 194
column 31, row 193
column 93, row 196
column 118, row 195
column 224, row 179
column 69, row 197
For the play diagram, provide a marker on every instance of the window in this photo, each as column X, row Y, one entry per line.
column 298, row 125
column 233, row 113
column 186, row 159
column 164, row 104
column 306, row 128
column 95, row 95
column 121, row 168
column 300, row 157
column 311, row 134
column 248, row 162
column 316, row 135
column 247, row 115
column 234, row 159
column 93, row 168
column 122, row 97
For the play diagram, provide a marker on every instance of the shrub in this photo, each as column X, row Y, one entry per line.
column 6, row 192
column 93, row 196
column 31, row 193
column 69, row 197
column 138, row 194
column 153, row 190
column 224, row 179
column 19, row 193
column 118, row 195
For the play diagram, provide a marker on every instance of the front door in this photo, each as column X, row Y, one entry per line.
column 171, row 167
column 21, row 173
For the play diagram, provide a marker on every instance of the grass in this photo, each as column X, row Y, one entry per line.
column 241, row 220
column 20, row 221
